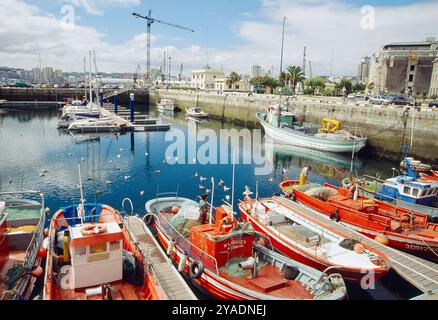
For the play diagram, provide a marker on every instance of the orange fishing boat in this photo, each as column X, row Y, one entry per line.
column 427, row 177
column 229, row 260
column 91, row 256
column 312, row 242
column 400, row 228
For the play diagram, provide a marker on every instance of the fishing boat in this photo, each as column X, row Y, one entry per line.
column 427, row 177
column 416, row 165
column 397, row 227
column 166, row 105
column 196, row 112
column 310, row 242
column 92, row 256
column 22, row 221
column 231, row 261
column 282, row 126
column 106, row 124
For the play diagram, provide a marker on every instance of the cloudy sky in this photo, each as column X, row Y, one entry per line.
column 232, row 34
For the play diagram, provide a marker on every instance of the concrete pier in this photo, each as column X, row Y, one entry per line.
column 384, row 125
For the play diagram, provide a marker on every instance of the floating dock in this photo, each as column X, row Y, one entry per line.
column 171, row 281
column 420, row 273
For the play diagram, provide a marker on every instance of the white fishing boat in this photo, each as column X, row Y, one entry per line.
column 282, row 126
column 166, row 105
column 107, row 124
column 196, row 112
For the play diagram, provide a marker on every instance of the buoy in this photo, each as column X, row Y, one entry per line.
column 37, row 271
column 175, row 209
column 170, row 247
column 359, row 248
column 382, row 238
column 47, row 211
column 42, row 253
column 182, row 262
column 46, row 232
column 45, row 244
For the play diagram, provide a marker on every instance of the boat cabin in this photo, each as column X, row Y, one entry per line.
column 407, row 189
column 217, row 242
column 96, row 252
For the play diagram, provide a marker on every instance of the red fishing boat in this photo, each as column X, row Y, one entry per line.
column 400, row 228
column 229, row 260
column 428, row 177
column 311, row 242
column 91, row 256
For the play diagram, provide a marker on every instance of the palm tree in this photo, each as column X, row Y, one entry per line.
column 232, row 79
column 295, row 75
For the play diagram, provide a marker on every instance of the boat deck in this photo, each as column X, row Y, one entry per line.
column 172, row 282
column 421, row 273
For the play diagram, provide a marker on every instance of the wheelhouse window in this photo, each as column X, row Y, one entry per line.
column 80, row 251
column 115, row 245
column 98, row 248
column 407, row 190
column 415, row 192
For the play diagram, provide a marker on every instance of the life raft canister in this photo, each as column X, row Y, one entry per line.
column 196, row 269
column 91, row 229
column 227, row 224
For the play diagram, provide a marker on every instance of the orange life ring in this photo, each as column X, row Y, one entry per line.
column 226, row 222
column 91, row 229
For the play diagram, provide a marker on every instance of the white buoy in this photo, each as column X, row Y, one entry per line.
column 182, row 262
column 170, row 247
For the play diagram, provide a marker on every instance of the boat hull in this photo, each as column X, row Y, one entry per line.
column 308, row 141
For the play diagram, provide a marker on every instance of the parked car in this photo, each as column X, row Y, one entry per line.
column 433, row 104
column 380, row 100
column 351, row 96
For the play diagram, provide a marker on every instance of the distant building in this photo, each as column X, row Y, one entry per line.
column 256, row 71
column 47, row 75
column 242, row 86
column 363, row 69
column 434, row 81
column 205, row 79
column 401, row 68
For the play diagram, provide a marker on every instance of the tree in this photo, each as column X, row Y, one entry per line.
column 269, row 82
column 232, row 79
column 345, row 83
column 295, row 75
column 359, row 87
column 315, row 85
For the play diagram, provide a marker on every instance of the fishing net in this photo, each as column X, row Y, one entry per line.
column 348, row 244
column 178, row 222
column 13, row 274
column 232, row 267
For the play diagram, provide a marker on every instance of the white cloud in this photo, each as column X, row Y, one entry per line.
column 319, row 24
column 95, row 7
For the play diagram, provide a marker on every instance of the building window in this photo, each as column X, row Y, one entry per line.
column 412, row 68
column 411, row 77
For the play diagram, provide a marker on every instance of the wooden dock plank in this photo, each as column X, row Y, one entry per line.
column 171, row 281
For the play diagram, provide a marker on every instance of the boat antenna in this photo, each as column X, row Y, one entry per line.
column 354, row 147
column 412, row 129
column 232, row 186
column 212, row 200
column 91, row 89
column 82, row 194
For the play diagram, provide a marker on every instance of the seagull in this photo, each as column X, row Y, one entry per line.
column 146, row 154
column 141, row 193
column 127, row 177
column 226, row 189
column 196, row 174
column 221, row 182
column 121, row 149
column 201, row 187
column 83, row 159
column 108, row 182
column 98, row 191
column 227, row 197
column 157, row 171
column 202, row 178
column 271, row 179
column 70, row 154
column 44, row 171
column 90, row 179
column 118, row 156
column 194, row 160
column 111, row 161
column 207, row 191
column 42, row 174
column 247, row 191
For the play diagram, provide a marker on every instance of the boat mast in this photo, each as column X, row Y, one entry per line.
column 212, row 199
column 82, row 193
column 232, row 185
column 85, row 77
column 412, row 129
column 91, row 89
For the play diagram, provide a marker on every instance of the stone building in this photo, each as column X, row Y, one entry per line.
column 434, row 82
column 363, row 69
column 402, row 68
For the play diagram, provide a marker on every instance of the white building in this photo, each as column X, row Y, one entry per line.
column 256, row 71
column 242, row 86
column 205, row 79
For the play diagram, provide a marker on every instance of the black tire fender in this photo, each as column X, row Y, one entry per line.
column 196, row 269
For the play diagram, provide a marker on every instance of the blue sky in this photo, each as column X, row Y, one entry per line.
column 240, row 33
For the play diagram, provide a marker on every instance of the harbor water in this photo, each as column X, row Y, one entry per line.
column 35, row 155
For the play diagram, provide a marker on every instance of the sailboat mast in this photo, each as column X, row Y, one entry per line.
column 85, row 77
column 232, row 185
column 91, row 89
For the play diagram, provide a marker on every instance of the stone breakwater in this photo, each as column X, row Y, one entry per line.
column 385, row 126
